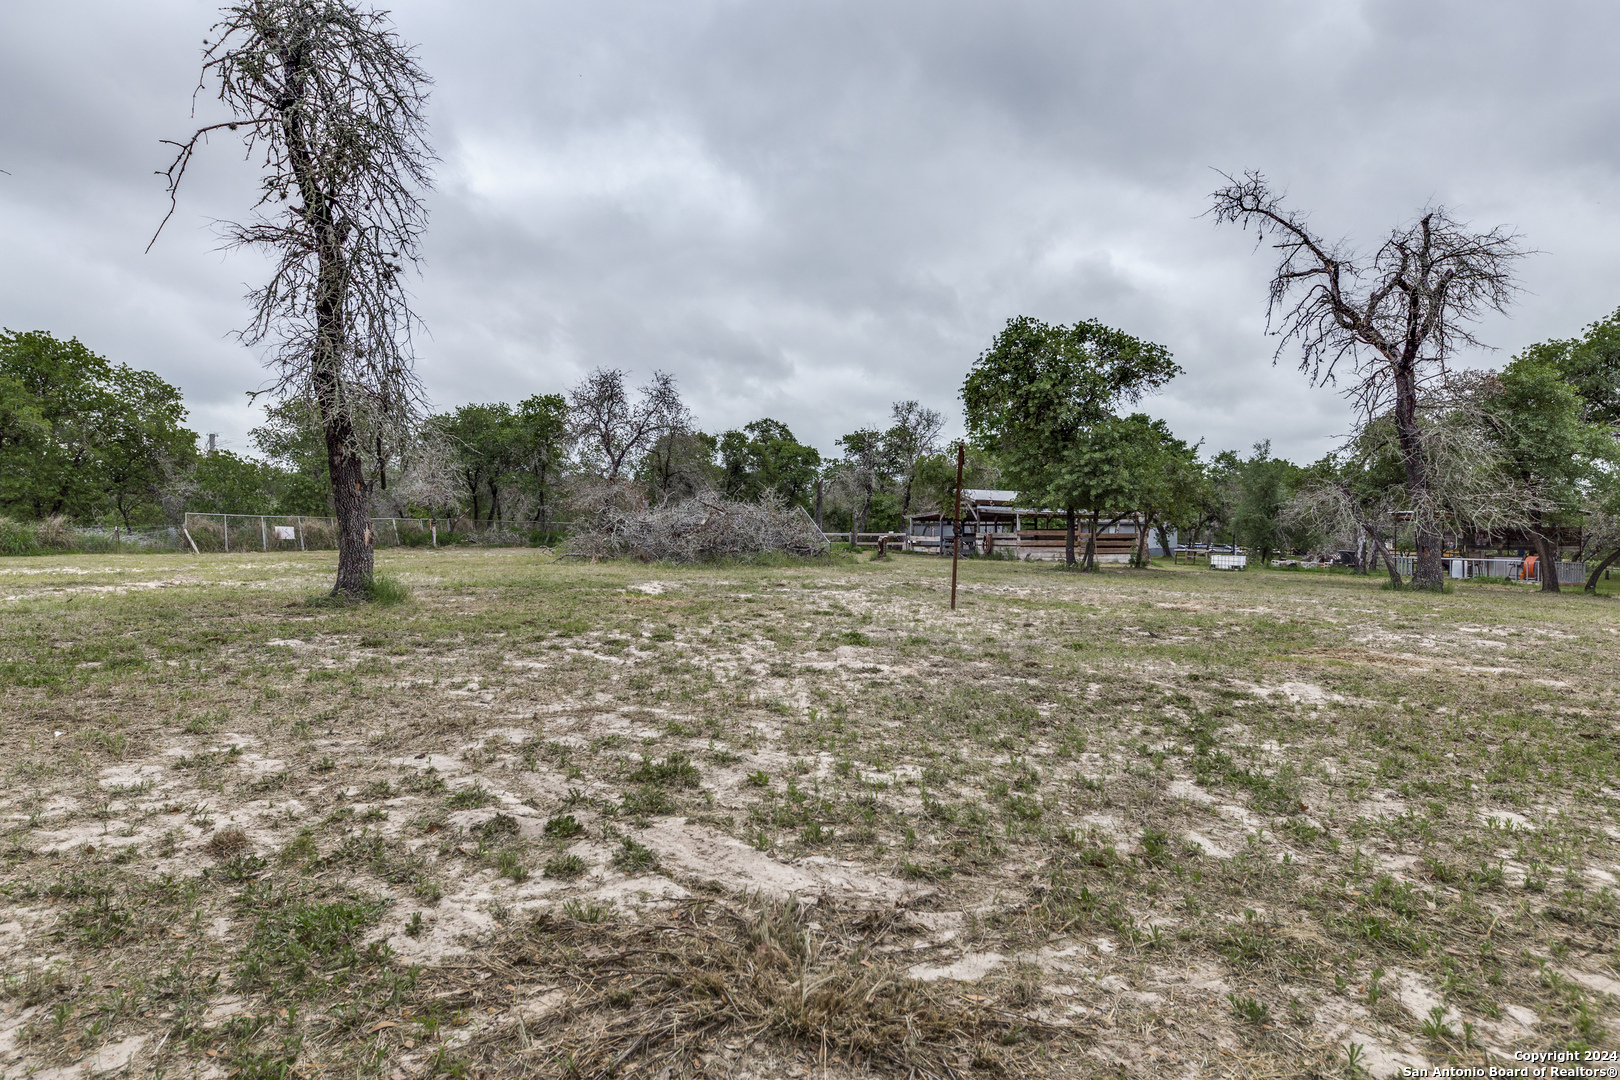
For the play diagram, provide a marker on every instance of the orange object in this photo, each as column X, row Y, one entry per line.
column 1529, row 573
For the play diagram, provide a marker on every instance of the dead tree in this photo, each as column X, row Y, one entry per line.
column 612, row 429
column 1395, row 320
column 1335, row 508
column 332, row 101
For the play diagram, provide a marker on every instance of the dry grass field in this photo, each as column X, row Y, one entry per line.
column 564, row 820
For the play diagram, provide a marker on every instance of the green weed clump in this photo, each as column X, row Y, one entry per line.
column 291, row 941
column 510, row 865
column 634, row 858
column 50, row 535
column 17, row 538
column 563, row 827
column 385, row 590
column 564, row 867
column 676, row 771
column 474, row 797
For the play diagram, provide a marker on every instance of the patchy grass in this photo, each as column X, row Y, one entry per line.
column 546, row 819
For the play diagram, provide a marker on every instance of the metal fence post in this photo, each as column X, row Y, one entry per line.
column 226, row 518
column 264, row 534
column 300, row 520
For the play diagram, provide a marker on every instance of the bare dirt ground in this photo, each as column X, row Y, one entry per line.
column 549, row 819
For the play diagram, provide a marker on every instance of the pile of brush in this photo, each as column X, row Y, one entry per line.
column 703, row 528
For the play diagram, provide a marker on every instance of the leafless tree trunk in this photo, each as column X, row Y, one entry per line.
column 1375, row 540
column 334, row 101
column 1602, row 530
column 1397, row 318
column 1332, row 507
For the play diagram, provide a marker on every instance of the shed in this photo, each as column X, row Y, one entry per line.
column 993, row 522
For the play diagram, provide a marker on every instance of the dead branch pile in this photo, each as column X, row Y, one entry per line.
column 706, row 527
column 651, row 998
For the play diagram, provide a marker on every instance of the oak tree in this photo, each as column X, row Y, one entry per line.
column 1033, row 395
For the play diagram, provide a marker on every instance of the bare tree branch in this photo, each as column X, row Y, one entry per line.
column 613, row 429
column 1395, row 319
column 333, row 104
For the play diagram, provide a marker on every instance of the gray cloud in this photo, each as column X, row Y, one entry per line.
column 809, row 210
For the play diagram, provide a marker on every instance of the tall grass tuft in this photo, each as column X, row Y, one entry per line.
column 52, row 534
column 17, row 538
column 385, row 590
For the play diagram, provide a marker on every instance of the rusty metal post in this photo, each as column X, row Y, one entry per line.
column 956, row 534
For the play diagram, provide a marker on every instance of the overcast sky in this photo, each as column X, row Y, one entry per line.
column 809, row 210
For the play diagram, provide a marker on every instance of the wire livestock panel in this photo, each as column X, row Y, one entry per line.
column 295, row 532
column 1569, row 573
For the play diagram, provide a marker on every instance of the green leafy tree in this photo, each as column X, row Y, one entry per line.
column 1590, row 364
column 484, row 438
column 1039, row 388
column 540, row 451
column 291, row 439
column 766, row 456
column 83, row 437
column 867, row 469
column 1262, row 487
column 913, row 436
column 1195, row 514
column 1104, row 473
column 1170, row 483
column 1538, row 419
column 678, row 465
column 225, row 483
column 21, row 421
column 143, row 441
column 934, row 484
column 507, row 458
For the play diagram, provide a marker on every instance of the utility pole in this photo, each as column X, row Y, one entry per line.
column 212, row 435
column 818, row 505
column 956, row 533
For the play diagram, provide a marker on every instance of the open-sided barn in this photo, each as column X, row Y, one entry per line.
column 993, row 523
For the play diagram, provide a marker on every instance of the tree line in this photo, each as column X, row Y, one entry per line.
column 101, row 443
column 1528, row 451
